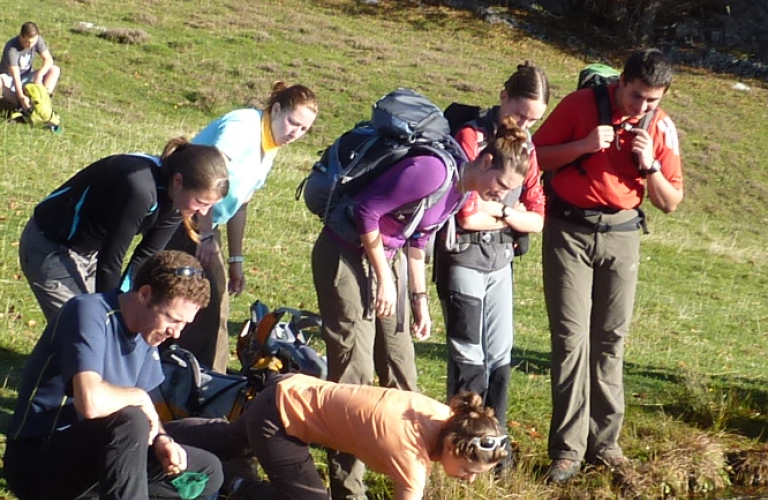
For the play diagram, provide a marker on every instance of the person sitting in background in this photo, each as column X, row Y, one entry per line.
column 84, row 420
column 397, row 433
column 79, row 234
column 16, row 66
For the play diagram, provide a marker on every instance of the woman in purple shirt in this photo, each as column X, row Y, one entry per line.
column 357, row 284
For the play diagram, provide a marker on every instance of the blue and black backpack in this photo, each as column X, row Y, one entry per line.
column 403, row 123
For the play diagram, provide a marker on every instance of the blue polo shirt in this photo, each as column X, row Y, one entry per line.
column 238, row 135
column 88, row 334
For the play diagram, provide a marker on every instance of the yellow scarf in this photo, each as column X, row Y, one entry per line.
column 268, row 143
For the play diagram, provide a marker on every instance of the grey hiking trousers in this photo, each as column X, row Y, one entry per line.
column 55, row 272
column 589, row 286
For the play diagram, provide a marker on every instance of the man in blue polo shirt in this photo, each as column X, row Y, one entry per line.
column 84, row 419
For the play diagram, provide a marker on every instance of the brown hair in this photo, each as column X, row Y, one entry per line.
column 528, row 82
column 510, row 147
column 173, row 274
column 651, row 67
column 470, row 419
column 202, row 168
column 289, row 97
column 29, row 30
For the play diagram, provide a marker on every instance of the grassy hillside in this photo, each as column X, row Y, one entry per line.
column 695, row 373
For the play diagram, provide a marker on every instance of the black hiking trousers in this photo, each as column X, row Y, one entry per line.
column 110, row 452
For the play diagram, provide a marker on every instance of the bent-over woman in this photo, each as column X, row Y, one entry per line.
column 356, row 341
column 397, row 433
column 78, row 237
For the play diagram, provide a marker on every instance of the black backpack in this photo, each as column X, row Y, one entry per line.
column 403, row 123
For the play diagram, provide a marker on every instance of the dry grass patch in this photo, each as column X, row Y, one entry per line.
column 692, row 465
column 130, row 36
column 749, row 467
column 143, row 18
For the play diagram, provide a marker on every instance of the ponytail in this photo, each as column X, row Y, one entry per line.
column 528, row 82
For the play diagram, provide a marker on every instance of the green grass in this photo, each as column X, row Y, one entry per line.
column 695, row 360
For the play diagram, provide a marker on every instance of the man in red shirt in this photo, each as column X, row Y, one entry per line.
column 597, row 178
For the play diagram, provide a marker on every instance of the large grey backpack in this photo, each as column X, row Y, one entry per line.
column 403, row 123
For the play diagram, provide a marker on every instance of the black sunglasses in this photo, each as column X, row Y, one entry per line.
column 489, row 443
column 188, row 272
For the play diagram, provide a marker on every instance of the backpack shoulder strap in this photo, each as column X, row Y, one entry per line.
column 604, row 115
column 603, row 100
column 646, row 121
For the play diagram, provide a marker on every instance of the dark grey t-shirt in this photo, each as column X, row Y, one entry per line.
column 15, row 55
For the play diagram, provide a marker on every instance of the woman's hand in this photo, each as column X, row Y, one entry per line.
column 422, row 322
column 207, row 251
column 236, row 284
column 386, row 296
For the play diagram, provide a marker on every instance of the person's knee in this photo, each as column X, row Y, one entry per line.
column 6, row 86
column 51, row 78
column 206, row 463
column 132, row 423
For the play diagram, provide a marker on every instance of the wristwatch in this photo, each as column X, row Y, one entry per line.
column 655, row 167
column 506, row 211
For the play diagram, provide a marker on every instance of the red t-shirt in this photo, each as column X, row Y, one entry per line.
column 610, row 177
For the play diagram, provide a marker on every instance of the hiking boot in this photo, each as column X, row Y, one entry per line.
column 562, row 470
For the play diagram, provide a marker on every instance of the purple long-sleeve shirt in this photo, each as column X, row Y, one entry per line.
column 407, row 181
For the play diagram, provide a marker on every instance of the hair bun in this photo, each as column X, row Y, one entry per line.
column 467, row 402
column 509, row 130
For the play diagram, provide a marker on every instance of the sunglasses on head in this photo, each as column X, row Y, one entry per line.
column 188, row 272
column 489, row 443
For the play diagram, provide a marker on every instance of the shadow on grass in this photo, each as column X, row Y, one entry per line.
column 732, row 404
column 530, row 362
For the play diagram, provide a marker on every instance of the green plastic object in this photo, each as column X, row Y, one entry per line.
column 190, row 484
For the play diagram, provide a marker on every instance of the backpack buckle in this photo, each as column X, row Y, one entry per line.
column 602, row 227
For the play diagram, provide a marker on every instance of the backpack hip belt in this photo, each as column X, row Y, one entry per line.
column 592, row 219
column 485, row 237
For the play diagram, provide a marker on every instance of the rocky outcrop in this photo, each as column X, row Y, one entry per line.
column 727, row 38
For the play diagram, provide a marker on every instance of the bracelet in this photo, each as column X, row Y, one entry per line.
column 207, row 237
column 235, row 258
column 415, row 296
